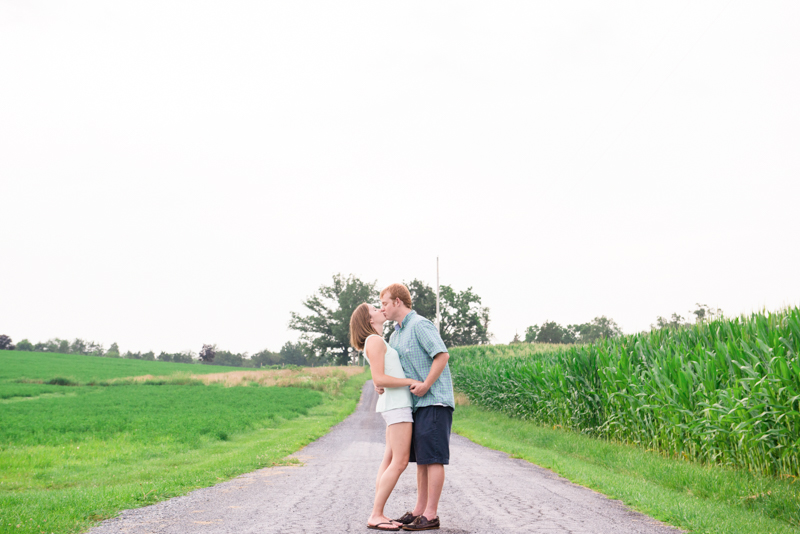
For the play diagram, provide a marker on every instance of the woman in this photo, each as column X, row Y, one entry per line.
column 366, row 333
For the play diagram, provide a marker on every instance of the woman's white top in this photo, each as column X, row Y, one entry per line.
column 392, row 398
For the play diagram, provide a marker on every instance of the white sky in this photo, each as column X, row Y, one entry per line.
column 180, row 173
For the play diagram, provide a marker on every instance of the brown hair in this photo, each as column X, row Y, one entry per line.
column 360, row 327
column 399, row 291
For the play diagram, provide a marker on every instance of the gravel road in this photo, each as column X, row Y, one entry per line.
column 485, row 492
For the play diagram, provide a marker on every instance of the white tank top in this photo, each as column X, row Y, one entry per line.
column 392, row 398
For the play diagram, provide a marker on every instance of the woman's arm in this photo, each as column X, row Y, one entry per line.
column 377, row 354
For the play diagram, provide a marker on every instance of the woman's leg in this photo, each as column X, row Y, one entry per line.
column 398, row 440
column 387, row 459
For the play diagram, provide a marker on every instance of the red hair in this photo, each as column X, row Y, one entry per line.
column 398, row 291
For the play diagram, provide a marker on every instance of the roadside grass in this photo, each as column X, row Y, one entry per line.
column 150, row 448
column 694, row 497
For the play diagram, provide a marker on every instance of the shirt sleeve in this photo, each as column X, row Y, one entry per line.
column 429, row 338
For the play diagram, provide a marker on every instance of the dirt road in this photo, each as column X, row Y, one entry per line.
column 485, row 492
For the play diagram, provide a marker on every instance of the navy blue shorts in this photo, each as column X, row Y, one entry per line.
column 430, row 435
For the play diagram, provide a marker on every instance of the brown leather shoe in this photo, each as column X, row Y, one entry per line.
column 422, row 523
column 407, row 518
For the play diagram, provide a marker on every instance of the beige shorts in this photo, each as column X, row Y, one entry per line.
column 398, row 415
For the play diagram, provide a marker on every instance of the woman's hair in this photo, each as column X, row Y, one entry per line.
column 398, row 291
column 360, row 328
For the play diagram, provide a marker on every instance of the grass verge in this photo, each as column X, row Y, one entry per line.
column 688, row 495
column 70, row 487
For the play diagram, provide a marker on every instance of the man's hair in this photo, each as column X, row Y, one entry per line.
column 398, row 291
column 360, row 329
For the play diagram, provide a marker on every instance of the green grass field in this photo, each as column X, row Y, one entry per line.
column 74, row 455
column 18, row 365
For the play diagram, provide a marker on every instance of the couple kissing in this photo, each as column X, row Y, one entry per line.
column 415, row 388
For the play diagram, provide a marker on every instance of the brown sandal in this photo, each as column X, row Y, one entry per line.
column 377, row 527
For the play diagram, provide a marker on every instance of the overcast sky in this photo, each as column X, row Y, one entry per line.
column 180, row 173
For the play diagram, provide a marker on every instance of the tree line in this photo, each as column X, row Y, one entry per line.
column 290, row 354
column 324, row 329
column 551, row 332
column 604, row 328
column 701, row 313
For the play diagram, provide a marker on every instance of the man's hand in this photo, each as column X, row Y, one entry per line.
column 379, row 390
column 419, row 389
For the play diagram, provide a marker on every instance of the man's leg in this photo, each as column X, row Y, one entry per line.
column 422, row 490
column 435, row 476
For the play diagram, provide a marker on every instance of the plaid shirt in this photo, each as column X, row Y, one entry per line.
column 417, row 341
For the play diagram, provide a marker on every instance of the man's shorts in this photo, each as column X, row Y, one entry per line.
column 430, row 435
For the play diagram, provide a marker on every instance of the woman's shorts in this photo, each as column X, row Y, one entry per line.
column 398, row 415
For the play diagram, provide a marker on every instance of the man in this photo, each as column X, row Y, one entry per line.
column 424, row 357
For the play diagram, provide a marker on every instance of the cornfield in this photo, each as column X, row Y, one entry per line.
column 725, row 391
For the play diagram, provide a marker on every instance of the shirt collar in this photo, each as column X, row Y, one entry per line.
column 399, row 325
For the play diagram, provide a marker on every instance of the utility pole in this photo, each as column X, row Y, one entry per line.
column 438, row 314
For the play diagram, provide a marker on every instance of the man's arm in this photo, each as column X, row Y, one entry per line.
column 439, row 361
column 428, row 337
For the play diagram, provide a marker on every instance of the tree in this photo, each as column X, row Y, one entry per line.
column 207, row 353
column 78, row 346
column 675, row 322
column 224, row 357
column 530, row 334
column 25, row 345
column 113, row 351
column 600, row 328
column 464, row 320
column 5, row 343
column 184, row 357
column 423, row 298
column 327, row 330
column 704, row 312
column 164, row 357
column 516, row 340
column 552, row 332
column 296, row 354
column 265, row 358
